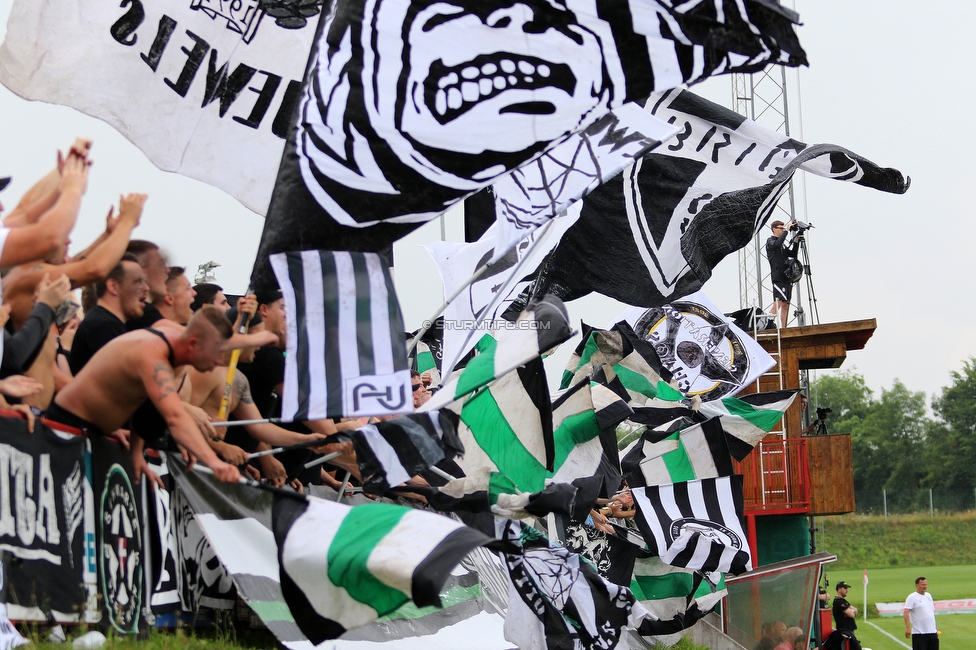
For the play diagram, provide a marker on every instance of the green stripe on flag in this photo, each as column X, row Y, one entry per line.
column 667, row 393
column 678, row 463
column 453, row 596
column 495, row 436
column 566, row 380
column 589, row 350
column 359, row 533
column 668, row 585
column 635, row 381
column 425, row 362
column 499, row 484
column 765, row 419
column 481, row 369
column 271, row 610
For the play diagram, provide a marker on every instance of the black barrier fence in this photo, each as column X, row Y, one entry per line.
column 919, row 501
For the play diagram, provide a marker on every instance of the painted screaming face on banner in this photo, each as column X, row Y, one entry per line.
column 440, row 97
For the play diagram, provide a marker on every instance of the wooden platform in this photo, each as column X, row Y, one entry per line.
column 815, row 476
column 813, row 347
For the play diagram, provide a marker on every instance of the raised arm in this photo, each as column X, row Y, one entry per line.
column 33, row 242
column 44, row 193
column 157, row 377
column 104, row 257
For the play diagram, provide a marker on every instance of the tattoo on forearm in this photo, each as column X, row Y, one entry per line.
column 163, row 379
column 242, row 389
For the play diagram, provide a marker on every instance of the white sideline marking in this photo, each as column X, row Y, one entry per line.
column 890, row 636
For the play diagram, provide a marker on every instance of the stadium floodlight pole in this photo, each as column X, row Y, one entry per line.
column 232, row 368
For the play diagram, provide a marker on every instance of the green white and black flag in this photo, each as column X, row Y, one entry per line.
column 693, row 451
column 542, row 326
column 695, row 524
column 346, row 351
column 747, row 419
column 343, row 567
column 633, row 360
column 557, row 600
column 675, row 598
column 393, row 451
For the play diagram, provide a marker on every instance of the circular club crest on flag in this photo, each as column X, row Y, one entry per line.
column 703, row 352
column 713, row 531
column 121, row 556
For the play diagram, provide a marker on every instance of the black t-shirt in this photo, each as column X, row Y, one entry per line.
column 779, row 256
column 149, row 316
column 98, row 328
column 264, row 373
column 841, row 620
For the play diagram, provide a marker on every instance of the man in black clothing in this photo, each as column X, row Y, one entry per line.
column 845, row 613
column 157, row 273
column 266, row 373
column 121, row 298
column 780, row 256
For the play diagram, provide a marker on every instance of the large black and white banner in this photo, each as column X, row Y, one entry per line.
column 655, row 232
column 206, row 88
column 42, row 513
column 393, row 128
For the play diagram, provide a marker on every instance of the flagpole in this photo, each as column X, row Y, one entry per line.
column 440, row 310
column 303, row 445
column 542, row 230
column 244, row 423
column 232, row 368
column 342, row 488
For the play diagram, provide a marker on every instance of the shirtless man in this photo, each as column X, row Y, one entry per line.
column 208, row 390
column 19, row 285
column 138, row 366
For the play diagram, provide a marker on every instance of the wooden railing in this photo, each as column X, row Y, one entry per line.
column 776, row 478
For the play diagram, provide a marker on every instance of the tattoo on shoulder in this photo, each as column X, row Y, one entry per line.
column 242, row 389
column 163, row 379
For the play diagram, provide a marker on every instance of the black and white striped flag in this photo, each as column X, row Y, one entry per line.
column 346, row 351
column 391, row 452
column 696, row 524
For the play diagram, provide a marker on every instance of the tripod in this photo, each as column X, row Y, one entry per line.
column 811, row 294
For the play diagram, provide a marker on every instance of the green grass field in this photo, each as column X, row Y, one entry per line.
column 894, row 585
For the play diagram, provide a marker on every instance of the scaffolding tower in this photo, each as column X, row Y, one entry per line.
column 763, row 98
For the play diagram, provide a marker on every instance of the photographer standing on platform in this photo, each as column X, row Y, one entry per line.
column 781, row 258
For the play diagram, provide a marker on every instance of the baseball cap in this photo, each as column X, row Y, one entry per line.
column 268, row 295
column 4, row 182
column 842, row 585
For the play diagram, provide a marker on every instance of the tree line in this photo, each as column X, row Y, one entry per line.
column 896, row 444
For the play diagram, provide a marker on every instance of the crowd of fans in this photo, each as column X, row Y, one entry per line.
column 144, row 357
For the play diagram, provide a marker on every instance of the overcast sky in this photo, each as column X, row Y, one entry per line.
column 887, row 79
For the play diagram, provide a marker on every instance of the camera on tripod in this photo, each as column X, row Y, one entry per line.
column 821, row 421
column 800, row 227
